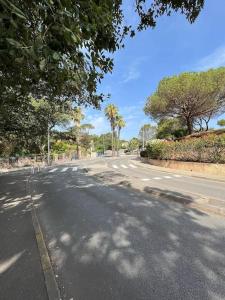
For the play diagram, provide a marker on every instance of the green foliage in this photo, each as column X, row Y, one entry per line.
column 134, row 144
column 209, row 148
column 188, row 96
column 170, row 128
column 155, row 149
column 59, row 147
column 221, row 123
column 60, row 48
column 144, row 153
column 102, row 142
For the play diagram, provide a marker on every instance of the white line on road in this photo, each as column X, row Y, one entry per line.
column 157, row 178
column 115, row 167
column 132, row 166
column 123, row 166
column 74, row 168
column 53, row 170
column 64, row 169
column 178, row 176
column 145, row 179
column 168, row 177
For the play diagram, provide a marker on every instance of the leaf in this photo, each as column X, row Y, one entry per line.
column 56, row 56
column 42, row 64
column 13, row 43
column 17, row 11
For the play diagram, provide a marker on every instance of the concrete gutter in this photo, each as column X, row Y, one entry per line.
column 50, row 282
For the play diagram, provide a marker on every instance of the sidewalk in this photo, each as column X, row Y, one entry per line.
column 21, row 275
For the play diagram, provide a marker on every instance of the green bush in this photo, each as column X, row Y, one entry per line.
column 210, row 148
column 144, row 153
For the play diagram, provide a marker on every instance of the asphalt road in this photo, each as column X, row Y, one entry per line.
column 108, row 242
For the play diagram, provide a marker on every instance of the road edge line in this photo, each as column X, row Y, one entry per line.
column 50, row 281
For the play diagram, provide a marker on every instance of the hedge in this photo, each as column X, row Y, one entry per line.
column 206, row 149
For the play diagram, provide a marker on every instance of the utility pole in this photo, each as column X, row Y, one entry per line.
column 48, row 144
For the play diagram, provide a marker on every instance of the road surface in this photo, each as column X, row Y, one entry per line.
column 108, row 241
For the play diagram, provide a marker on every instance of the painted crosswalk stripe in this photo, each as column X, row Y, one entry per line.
column 178, row 176
column 64, row 169
column 123, row 166
column 132, row 166
column 157, row 178
column 145, row 179
column 53, row 170
column 115, row 167
column 74, row 168
column 168, row 177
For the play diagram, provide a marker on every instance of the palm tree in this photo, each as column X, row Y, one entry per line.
column 77, row 116
column 111, row 112
column 120, row 123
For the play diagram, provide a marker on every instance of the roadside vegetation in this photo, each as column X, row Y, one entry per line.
column 209, row 148
column 183, row 106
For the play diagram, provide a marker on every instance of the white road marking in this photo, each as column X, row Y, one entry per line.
column 157, row 178
column 123, row 166
column 178, row 176
column 52, row 170
column 115, row 167
column 168, row 177
column 74, row 168
column 132, row 166
column 145, row 179
column 64, row 169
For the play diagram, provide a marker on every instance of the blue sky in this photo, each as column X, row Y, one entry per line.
column 174, row 46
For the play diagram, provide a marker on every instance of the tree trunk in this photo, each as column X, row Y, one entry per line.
column 113, row 143
column 118, row 142
column 78, row 146
column 189, row 125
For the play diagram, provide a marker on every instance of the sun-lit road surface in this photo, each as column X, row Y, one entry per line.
column 112, row 242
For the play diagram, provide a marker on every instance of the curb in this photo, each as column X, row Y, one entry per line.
column 182, row 172
column 50, row 282
column 182, row 200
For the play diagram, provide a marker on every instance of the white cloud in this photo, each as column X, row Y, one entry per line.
column 214, row 60
column 101, row 125
column 133, row 71
column 132, row 74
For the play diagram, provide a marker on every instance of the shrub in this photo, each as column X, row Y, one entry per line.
column 155, row 149
column 210, row 148
column 144, row 153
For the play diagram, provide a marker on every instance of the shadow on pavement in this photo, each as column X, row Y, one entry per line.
column 20, row 270
column 109, row 241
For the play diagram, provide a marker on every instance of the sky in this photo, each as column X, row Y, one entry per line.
column 174, row 46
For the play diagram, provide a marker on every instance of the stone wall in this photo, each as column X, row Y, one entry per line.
column 207, row 168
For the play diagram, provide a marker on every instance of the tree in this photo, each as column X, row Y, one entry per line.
column 221, row 123
column 170, row 128
column 188, row 96
column 102, row 142
column 25, row 126
column 77, row 117
column 60, row 48
column 120, row 123
column 134, row 144
column 111, row 112
column 146, row 133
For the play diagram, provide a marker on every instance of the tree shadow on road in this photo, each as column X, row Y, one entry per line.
column 21, row 274
column 110, row 241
